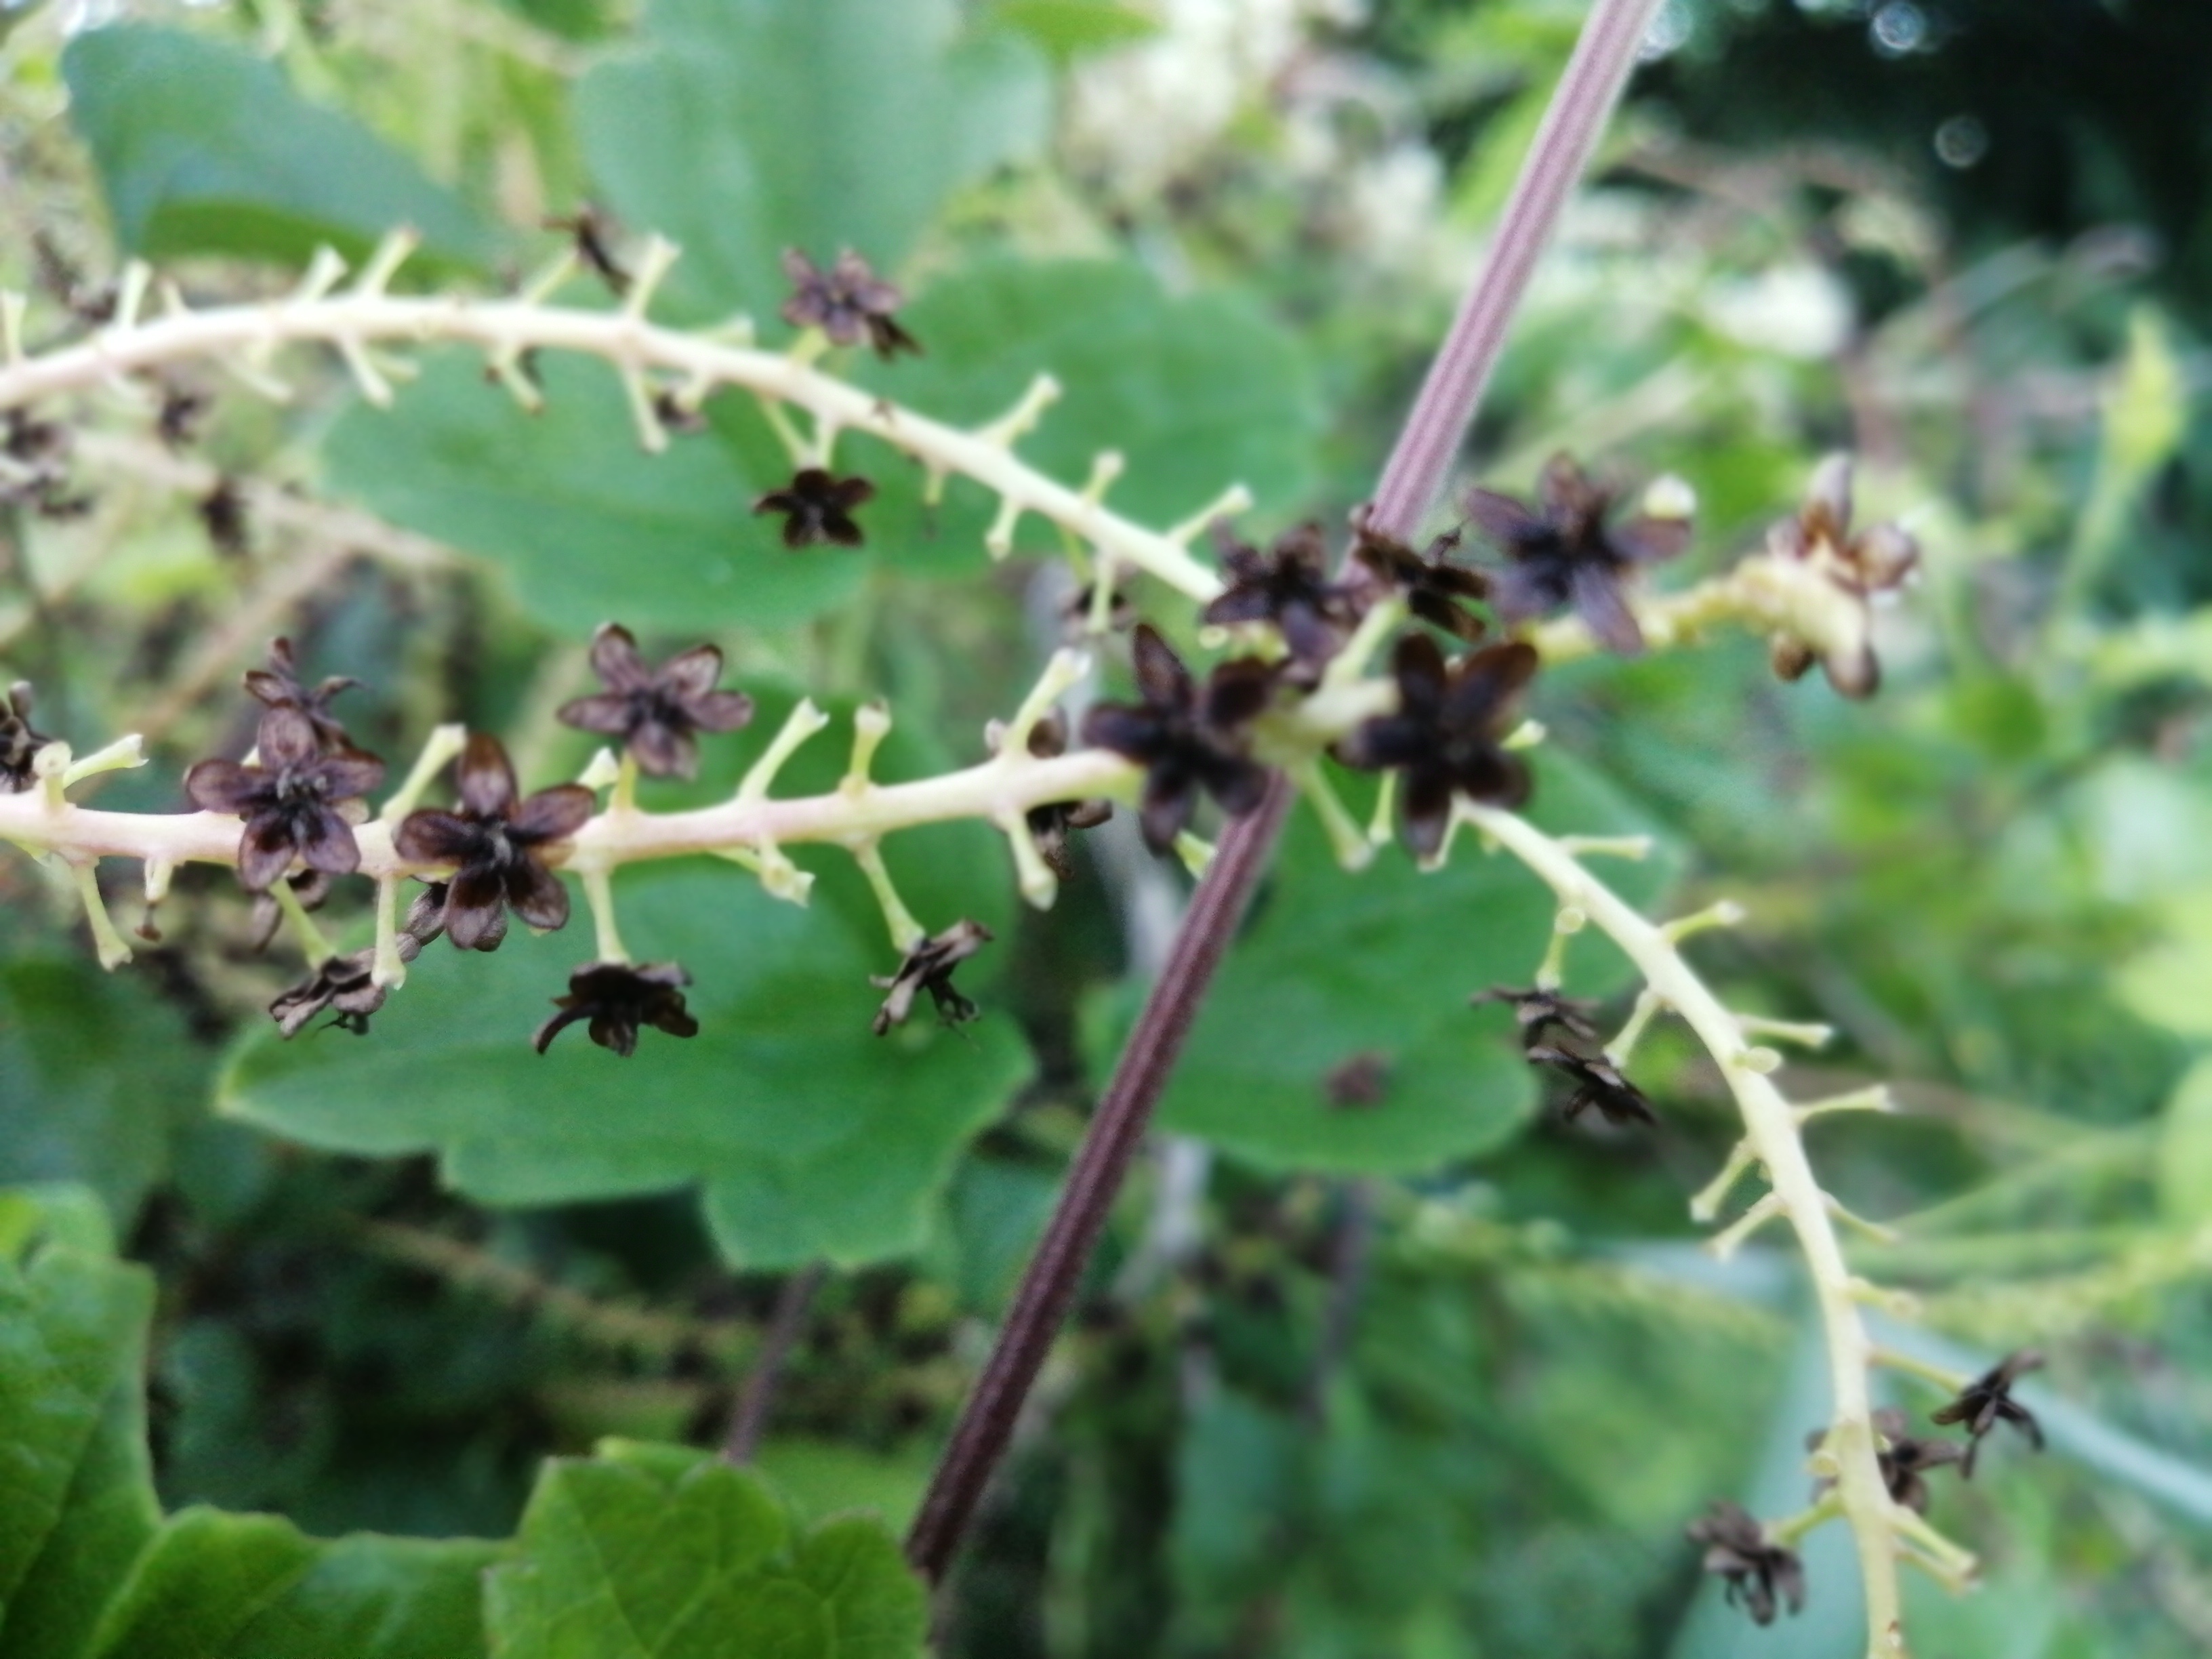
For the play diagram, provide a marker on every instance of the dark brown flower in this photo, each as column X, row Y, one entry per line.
column 34, row 457
column 1753, row 1567
column 223, row 516
column 1905, row 1461
column 279, row 686
column 928, row 967
column 346, row 984
column 496, row 846
column 1187, row 741
column 183, row 410
column 817, row 508
column 1289, row 586
column 1840, row 635
column 1448, row 736
column 656, row 711
column 1987, row 1401
column 1598, row 1083
column 1049, row 824
column 19, row 744
column 846, row 302
column 591, row 233
column 290, row 799
column 618, row 999
column 1561, row 552
column 1434, row 588
column 1537, row 1011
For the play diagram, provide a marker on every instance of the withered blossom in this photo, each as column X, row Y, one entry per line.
column 279, row 686
column 1187, row 739
column 183, row 410
column 928, row 967
column 19, row 743
column 1597, row 1082
column 345, row 985
column 1903, row 1459
column 817, row 508
column 1448, row 735
column 496, row 845
column 34, row 466
column 290, row 799
column 223, row 515
column 1433, row 588
column 1987, row 1401
column 591, row 233
column 1878, row 560
column 656, row 711
column 846, row 303
column 1561, row 553
column 1050, row 822
column 1754, row 1568
column 1535, row 1011
column 618, row 1000
column 1289, row 586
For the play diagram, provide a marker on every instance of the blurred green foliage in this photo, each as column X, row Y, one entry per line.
column 1438, row 1377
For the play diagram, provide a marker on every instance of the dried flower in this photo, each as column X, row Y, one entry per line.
column 182, row 411
column 928, row 967
column 1433, row 588
column 496, row 846
column 1289, row 586
column 1186, row 741
column 1598, row 1083
column 591, row 233
column 1561, row 552
column 846, row 302
column 1878, row 560
column 19, row 744
column 817, row 508
column 1448, row 735
column 1905, row 1461
column 1050, row 822
column 1987, row 1401
column 290, row 800
column 279, row 686
column 347, row 983
column 656, row 711
column 618, row 999
column 1535, row 1010
column 1754, row 1567
column 223, row 516
column 34, row 466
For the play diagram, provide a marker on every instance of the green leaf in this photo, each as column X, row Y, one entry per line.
column 201, row 147
column 1070, row 28
column 1334, row 966
column 97, row 1072
column 76, row 1496
column 808, row 1136
column 663, row 1553
column 1196, row 393
column 218, row 1586
column 588, row 524
column 748, row 127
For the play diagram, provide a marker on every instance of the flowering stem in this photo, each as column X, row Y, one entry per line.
column 1600, row 68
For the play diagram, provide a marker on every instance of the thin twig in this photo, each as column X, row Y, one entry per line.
column 749, row 1421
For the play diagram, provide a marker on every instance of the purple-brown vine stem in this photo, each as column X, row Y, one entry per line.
column 1604, row 56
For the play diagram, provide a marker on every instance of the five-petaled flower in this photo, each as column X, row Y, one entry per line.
column 279, row 686
column 1050, row 822
column 1289, row 586
column 19, row 744
column 496, row 846
column 618, row 999
column 819, row 508
column 1598, row 1083
column 1448, row 733
column 290, row 800
column 845, row 302
column 928, row 967
column 1537, row 1011
column 1754, row 1566
column 1561, row 552
column 1903, row 1459
column 1987, row 1401
column 656, row 711
column 1186, row 739
column 1433, row 588
column 1837, row 632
